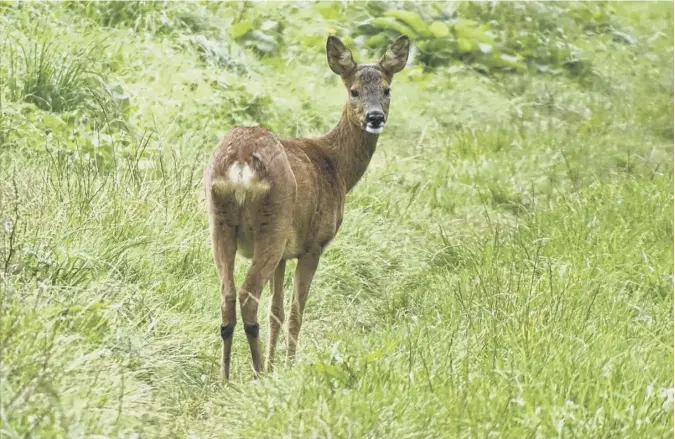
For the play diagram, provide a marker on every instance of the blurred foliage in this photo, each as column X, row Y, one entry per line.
column 57, row 79
column 492, row 36
column 79, row 85
column 154, row 16
column 56, row 88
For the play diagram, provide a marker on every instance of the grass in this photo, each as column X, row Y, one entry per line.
column 504, row 269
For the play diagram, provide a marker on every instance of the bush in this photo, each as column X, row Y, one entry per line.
column 57, row 79
column 491, row 37
column 157, row 17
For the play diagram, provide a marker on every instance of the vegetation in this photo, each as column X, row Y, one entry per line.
column 505, row 267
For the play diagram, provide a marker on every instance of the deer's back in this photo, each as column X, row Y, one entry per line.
column 255, row 178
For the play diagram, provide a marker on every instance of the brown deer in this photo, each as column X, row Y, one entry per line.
column 274, row 198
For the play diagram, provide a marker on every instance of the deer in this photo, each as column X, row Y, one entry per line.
column 272, row 198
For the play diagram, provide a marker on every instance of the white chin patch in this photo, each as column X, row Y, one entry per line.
column 374, row 130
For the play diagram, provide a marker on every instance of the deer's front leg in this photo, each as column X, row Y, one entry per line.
column 304, row 273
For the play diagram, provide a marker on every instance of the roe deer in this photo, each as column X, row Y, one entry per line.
column 274, row 198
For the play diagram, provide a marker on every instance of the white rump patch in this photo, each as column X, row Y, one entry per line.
column 241, row 174
column 243, row 183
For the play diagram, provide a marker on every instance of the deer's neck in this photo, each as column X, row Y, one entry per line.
column 351, row 149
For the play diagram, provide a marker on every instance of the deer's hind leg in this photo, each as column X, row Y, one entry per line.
column 268, row 248
column 276, row 316
column 224, row 246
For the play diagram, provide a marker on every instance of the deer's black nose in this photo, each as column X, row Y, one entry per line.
column 375, row 118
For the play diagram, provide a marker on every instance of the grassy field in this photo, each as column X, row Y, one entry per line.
column 504, row 269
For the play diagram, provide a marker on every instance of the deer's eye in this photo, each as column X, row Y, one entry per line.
column 354, row 93
column 387, row 92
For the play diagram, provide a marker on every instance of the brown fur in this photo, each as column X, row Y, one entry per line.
column 289, row 200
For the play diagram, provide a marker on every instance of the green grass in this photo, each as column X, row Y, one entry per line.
column 504, row 269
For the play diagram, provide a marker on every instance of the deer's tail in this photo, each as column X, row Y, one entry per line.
column 245, row 181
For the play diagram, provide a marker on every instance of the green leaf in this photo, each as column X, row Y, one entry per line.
column 117, row 93
column 376, row 41
column 439, row 29
column 464, row 45
column 624, row 38
column 328, row 10
column 376, row 355
column 52, row 121
column 269, row 25
column 411, row 19
column 392, row 24
column 505, row 61
column 438, row 45
column 239, row 29
column 366, row 28
column 263, row 42
column 469, row 29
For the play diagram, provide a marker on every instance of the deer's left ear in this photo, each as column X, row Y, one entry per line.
column 396, row 56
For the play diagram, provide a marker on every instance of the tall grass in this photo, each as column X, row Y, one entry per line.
column 504, row 269
column 43, row 75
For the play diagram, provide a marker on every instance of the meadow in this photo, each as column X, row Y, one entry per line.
column 504, row 268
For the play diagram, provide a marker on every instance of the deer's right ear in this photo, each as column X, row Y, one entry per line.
column 340, row 57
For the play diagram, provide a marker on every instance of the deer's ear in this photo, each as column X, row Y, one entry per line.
column 340, row 57
column 396, row 56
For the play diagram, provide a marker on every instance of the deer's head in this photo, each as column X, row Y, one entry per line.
column 368, row 85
